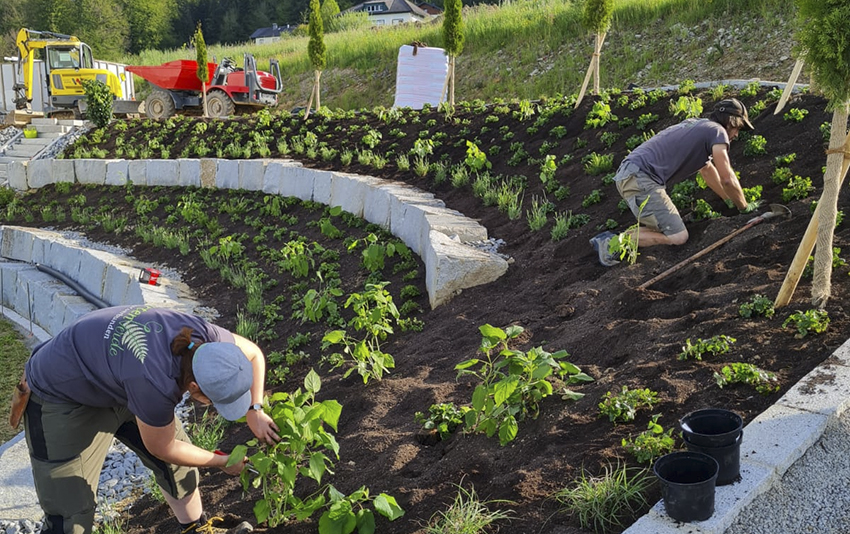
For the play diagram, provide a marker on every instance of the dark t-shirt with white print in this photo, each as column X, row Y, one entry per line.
column 118, row 356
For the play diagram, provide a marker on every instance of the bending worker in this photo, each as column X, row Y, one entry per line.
column 120, row 372
column 675, row 153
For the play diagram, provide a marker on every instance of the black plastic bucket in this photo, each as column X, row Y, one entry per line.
column 687, row 484
column 711, row 427
column 728, row 458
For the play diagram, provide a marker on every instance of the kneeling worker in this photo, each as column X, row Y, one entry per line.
column 675, row 153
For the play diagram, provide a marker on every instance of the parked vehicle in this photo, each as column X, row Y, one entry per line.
column 68, row 62
column 231, row 89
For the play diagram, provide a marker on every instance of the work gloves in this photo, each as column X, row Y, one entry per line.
column 751, row 206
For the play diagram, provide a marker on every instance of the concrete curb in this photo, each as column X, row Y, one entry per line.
column 412, row 215
column 772, row 443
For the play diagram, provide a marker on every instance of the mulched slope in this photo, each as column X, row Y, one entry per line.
column 562, row 297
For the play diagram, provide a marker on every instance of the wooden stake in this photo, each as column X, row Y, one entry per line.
column 594, row 64
column 599, row 40
column 789, row 87
column 310, row 102
column 318, row 89
column 792, row 278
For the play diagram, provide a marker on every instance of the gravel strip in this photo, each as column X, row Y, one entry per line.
column 811, row 496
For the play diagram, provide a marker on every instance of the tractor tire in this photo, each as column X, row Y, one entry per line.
column 219, row 105
column 159, row 105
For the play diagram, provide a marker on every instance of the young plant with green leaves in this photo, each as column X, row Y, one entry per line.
column 623, row 406
column 651, row 443
column 715, row 346
column 443, row 418
column 301, row 454
column 808, row 322
column 758, row 305
column 374, row 314
column 686, row 107
column 764, row 382
column 512, row 382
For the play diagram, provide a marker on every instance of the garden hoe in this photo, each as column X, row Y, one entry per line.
column 776, row 210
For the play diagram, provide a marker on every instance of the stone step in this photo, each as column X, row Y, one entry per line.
column 41, row 141
column 24, row 151
column 43, row 121
column 53, row 128
column 71, row 122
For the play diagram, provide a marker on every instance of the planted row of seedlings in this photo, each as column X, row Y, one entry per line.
column 547, row 173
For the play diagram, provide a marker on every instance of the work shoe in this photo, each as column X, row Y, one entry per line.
column 600, row 245
column 205, row 525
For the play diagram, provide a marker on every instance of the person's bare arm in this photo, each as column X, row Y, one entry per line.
column 160, row 442
column 720, row 177
column 259, row 422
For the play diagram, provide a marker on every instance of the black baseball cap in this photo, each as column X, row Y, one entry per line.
column 733, row 106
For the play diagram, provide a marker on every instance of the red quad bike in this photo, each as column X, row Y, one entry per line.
column 177, row 87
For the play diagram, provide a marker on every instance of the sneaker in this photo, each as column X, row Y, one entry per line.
column 205, row 525
column 600, row 245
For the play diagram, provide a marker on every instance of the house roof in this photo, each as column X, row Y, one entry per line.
column 429, row 8
column 393, row 6
column 273, row 31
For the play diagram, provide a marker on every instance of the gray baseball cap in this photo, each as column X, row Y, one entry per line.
column 224, row 375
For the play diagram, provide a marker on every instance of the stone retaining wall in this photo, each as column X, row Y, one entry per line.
column 437, row 234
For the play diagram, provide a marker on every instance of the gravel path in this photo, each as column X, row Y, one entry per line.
column 812, row 496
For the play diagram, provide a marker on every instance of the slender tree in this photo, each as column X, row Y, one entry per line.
column 316, row 51
column 596, row 18
column 330, row 9
column 823, row 32
column 203, row 71
column 452, row 40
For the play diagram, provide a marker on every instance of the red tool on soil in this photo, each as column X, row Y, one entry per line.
column 776, row 210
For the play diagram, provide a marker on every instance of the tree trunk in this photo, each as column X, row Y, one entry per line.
column 452, row 81
column 318, row 89
column 204, row 96
column 792, row 278
column 444, row 96
column 599, row 39
column 828, row 207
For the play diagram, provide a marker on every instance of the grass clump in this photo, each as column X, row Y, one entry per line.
column 467, row 515
column 607, row 501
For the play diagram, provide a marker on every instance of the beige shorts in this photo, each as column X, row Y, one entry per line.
column 659, row 213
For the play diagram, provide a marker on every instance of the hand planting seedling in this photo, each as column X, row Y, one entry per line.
column 716, row 345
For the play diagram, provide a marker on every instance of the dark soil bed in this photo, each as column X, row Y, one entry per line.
column 557, row 291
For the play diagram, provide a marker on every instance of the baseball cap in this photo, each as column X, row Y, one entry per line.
column 224, row 375
column 733, row 106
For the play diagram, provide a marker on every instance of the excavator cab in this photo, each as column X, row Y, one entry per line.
column 68, row 62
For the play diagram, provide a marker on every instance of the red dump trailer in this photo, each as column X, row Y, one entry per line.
column 177, row 87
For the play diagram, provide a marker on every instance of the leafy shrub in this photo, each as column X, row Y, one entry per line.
column 686, row 107
column 758, row 305
column 651, row 443
column 747, row 373
column 444, row 417
column 798, row 188
column 622, row 407
column 808, row 322
column 795, row 114
column 755, row 146
column 512, row 383
column 715, row 345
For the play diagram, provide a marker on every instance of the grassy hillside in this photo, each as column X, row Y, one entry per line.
column 530, row 48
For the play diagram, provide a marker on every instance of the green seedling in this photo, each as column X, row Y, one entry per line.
column 808, row 322
column 759, row 305
column 444, row 417
column 622, row 407
column 765, row 382
column 715, row 345
column 651, row 443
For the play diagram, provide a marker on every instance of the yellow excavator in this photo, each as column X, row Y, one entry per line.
column 68, row 61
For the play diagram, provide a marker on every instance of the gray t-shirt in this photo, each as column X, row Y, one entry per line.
column 679, row 151
column 118, row 356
